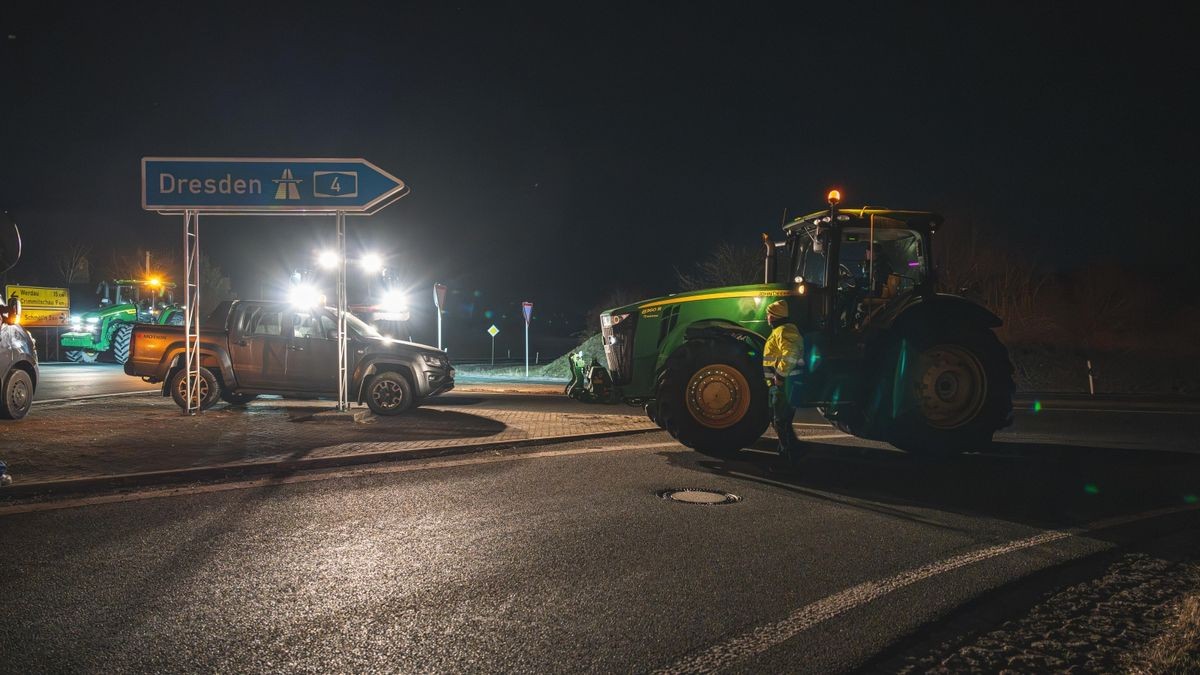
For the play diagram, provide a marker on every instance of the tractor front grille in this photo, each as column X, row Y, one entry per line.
column 618, row 345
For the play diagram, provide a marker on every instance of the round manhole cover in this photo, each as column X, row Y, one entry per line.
column 699, row 496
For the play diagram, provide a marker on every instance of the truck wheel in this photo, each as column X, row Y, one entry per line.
column 122, row 335
column 17, row 395
column 389, row 393
column 210, row 389
column 712, row 398
column 951, row 390
column 234, row 398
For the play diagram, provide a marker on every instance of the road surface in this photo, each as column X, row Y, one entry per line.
column 565, row 557
column 61, row 381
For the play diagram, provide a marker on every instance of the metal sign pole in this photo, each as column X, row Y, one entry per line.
column 343, row 387
column 191, row 310
column 493, row 350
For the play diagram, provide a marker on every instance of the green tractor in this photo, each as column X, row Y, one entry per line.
column 107, row 331
column 887, row 357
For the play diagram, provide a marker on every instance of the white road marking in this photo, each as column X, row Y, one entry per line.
column 1049, row 409
column 93, row 396
column 162, row 493
column 725, row 654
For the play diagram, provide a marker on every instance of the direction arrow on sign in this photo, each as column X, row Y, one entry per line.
column 493, row 331
column 233, row 185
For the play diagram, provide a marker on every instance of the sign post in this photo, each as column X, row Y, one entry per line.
column 190, row 186
column 493, row 331
column 527, row 310
column 439, row 301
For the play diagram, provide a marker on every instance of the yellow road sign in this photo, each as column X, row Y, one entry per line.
column 40, row 297
column 44, row 318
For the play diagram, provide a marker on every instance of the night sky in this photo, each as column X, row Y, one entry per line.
column 537, row 139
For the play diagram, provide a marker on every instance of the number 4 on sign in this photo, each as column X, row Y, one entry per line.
column 335, row 185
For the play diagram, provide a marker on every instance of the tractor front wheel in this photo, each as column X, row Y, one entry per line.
column 712, row 397
column 209, row 390
column 81, row 355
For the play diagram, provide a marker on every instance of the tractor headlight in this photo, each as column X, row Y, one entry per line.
column 609, row 320
column 434, row 361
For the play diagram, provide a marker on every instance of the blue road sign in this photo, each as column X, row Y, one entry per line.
column 266, row 185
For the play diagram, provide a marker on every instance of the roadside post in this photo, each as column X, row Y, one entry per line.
column 439, row 301
column 246, row 186
column 493, row 331
column 527, row 310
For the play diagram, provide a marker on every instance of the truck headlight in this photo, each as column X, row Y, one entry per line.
column 434, row 361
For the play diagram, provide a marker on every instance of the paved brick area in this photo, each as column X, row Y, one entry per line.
column 147, row 433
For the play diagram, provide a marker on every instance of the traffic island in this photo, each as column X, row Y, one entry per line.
column 351, row 416
column 131, row 441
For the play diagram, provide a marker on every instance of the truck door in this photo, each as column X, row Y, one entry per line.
column 312, row 352
column 258, row 347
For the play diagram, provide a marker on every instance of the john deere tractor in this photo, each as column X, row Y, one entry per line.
column 106, row 332
column 886, row 356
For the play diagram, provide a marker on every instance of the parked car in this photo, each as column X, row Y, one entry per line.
column 248, row 348
column 18, row 355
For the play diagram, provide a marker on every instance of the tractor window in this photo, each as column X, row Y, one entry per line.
column 812, row 258
column 892, row 263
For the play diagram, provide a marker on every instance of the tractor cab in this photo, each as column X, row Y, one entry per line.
column 855, row 263
column 147, row 297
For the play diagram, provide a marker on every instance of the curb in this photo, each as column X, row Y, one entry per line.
column 75, row 486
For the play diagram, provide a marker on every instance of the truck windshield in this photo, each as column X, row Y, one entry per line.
column 359, row 326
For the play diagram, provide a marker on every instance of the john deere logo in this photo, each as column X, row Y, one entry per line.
column 287, row 186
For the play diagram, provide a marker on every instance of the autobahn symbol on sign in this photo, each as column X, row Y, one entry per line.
column 266, row 185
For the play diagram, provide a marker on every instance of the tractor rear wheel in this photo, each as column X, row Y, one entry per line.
column 712, row 397
column 951, row 390
column 122, row 335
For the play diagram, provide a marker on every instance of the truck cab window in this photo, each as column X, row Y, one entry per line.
column 265, row 322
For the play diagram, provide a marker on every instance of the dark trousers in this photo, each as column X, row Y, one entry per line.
column 782, row 414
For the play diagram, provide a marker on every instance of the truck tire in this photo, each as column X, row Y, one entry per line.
column 712, row 397
column 16, row 396
column 210, row 389
column 951, row 389
column 389, row 393
column 122, row 335
column 234, row 398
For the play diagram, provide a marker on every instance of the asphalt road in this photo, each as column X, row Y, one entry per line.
column 565, row 558
column 79, row 380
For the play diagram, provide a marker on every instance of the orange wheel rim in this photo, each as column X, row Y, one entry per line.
column 718, row 396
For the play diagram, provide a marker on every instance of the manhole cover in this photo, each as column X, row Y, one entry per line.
column 699, row 496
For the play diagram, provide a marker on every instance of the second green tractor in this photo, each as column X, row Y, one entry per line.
column 106, row 333
column 886, row 356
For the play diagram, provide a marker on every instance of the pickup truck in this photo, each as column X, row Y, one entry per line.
column 248, row 348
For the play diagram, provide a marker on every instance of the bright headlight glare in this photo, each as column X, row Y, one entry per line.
column 304, row 296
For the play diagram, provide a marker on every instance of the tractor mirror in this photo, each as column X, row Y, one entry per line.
column 10, row 242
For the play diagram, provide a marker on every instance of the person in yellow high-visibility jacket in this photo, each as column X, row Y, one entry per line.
column 783, row 356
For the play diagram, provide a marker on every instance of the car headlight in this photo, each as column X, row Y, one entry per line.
column 433, row 360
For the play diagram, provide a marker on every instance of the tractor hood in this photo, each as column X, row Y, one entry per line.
column 748, row 291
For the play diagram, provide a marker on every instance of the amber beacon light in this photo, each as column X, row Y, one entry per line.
column 834, row 197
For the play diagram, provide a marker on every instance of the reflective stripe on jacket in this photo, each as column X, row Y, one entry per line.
column 784, row 350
